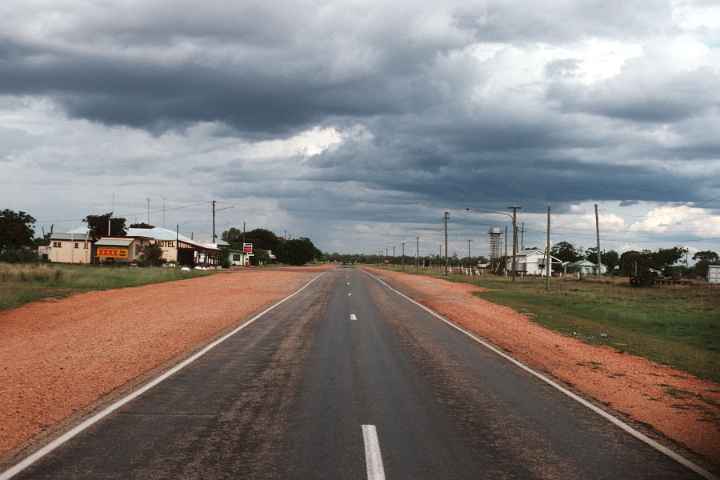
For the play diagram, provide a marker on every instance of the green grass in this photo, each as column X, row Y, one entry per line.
column 677, row 326
column 23, row 283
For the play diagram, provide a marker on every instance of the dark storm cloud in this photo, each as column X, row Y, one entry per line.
column 644, row 96
column 429, row 119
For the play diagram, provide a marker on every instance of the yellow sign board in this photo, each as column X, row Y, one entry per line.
column 114, row 252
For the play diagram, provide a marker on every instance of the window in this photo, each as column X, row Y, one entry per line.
column 57, row 244
column 77, row 245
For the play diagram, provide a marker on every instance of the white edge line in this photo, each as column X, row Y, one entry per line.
column 59, row 441
column 612, row 419
column 373, row 456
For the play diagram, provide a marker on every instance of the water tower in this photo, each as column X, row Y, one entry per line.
column 495, row 243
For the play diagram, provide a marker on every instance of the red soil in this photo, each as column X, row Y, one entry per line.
column 58, row 358
column 684, row 408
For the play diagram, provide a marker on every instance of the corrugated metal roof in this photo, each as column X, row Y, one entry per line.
column 114, row 242
column 159, row 233
column 76, row 237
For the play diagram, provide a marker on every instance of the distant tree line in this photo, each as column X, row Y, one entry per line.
column 297, row 251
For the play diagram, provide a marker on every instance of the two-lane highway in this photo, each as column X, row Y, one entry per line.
column 348, row 380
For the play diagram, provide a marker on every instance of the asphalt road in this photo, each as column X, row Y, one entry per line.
column 288, row 397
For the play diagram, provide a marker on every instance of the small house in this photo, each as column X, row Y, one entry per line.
column 586, row 267
column 70, row 248
column 530, row 261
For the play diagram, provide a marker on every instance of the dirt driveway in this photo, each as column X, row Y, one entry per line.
column 684, row 408
column 57, row 358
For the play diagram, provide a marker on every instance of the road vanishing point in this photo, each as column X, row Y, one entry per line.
column 328, row 385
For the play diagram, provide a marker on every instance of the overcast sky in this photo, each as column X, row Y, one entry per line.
column 358, row 123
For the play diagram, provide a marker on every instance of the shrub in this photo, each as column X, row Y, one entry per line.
column 151, row 256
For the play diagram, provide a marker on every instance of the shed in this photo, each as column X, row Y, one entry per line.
column 119, row 249
column 713, row 275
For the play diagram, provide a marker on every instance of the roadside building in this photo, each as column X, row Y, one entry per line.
column 70, row 248
column 586, row 267
column 178, row 248
column 530, row 261
column 119, row 249
column 713, row 275
column 234, row 256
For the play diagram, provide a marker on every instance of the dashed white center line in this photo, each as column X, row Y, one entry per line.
column 373, row 457
column 353, row 316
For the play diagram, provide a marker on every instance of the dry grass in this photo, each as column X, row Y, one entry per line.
column 23, row 283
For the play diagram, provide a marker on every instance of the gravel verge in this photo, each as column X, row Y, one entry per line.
column 60, row 358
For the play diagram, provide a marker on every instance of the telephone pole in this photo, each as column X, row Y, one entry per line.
column 469, row 261
column 522, row 236
column 505, row 238
column 213, row 222
column 417, row 253
column 548, row 258
column 402, row 259
column 446, row 216
column 515, row 239
column 243, row 235
column 597, row 236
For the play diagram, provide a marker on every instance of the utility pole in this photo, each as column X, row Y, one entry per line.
column 446, row 217
column 522, row 236
column 393, row 253
column 548, row 258
column 402, row 259
column 417, row 254
column 110, row 216
column 148, row 210
column 469, row 261
column 505, row 238
column 515, row 238
column 213, row 222
column 243, row 235
column 597, row 235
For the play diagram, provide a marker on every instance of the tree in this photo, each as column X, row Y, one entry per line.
column 662, row 259
column 232, row 236
column 140, row 225
column 703, row 259
column 608, row 258
column 98, row 226
column 151, row 255
column 263, row 239
column 666, row 257
column 611, row 259
column 565, row 251
column 632, row 258
column 16, row 230
column 298, row 251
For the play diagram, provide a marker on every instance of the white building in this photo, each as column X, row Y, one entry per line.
column 713, row 274
column 586, row 267
column 70, row 248
column 530, row 261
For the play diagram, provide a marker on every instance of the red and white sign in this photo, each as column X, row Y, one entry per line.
column 247, row 248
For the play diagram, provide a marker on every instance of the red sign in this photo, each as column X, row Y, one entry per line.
column 247, row 248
